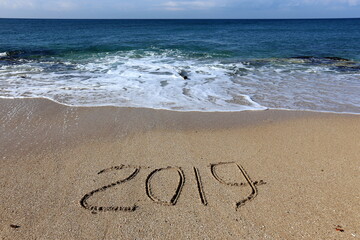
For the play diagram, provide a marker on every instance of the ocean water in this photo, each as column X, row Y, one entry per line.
column 184, row 65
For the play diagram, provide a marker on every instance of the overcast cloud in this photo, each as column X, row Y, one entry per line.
column 179, row 8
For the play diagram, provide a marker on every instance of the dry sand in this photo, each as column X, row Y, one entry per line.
column 124, row 173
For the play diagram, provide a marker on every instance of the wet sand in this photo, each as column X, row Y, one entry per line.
column 125, row 173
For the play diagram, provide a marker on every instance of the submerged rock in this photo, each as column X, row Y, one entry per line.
column 184, row 74
column 303, row 57
column 337, row 59
column 313, row 58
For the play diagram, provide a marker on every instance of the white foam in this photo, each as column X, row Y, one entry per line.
column 153, row 81
column 3, row 54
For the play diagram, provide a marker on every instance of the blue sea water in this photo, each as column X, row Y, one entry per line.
column 201, row 65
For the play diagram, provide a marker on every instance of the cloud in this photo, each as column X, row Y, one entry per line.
column 67, row 5
column 179, row 8
column 329, row 2
column 16, row 4
column 322, row 2
column 169, row 5
column 189, row 5
column 58, row 5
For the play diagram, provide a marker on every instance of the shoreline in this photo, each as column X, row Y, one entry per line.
column 111, row 172
column 174, row 110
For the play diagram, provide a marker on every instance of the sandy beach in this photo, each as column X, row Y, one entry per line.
column 128, row 173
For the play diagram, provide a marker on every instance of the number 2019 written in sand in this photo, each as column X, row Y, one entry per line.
column 84, row 202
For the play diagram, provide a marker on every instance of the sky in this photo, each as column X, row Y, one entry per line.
column 159, row 9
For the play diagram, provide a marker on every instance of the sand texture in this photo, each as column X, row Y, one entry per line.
column 125, row 173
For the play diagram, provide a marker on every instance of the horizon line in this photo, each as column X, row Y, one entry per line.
column 325, row 18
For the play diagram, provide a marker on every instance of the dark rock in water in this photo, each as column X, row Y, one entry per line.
column 14, row 54
column 303, row 57
column 307, row 59
column 348, row 69
column 312, row 58
column 184, row 74
column 337, row 59
column 30, row 54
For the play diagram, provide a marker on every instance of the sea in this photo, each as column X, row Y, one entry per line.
column 184, row 65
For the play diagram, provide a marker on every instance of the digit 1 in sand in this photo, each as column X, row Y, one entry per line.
column 200, row 187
